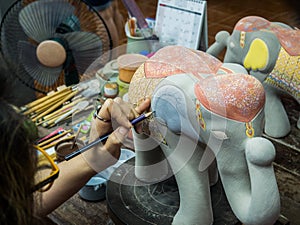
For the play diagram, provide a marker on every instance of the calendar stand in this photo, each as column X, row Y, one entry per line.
column 182, row 22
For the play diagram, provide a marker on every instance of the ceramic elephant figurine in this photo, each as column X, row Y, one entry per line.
column 271, row 52
column 204, row 118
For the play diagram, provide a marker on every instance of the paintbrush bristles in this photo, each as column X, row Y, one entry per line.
column 148, row 114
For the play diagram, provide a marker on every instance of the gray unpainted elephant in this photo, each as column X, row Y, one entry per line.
column 202, row 120
column 270, row 51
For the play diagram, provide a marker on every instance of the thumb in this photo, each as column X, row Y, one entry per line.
column 118, row 136
column 115, row 141
column 121, row 133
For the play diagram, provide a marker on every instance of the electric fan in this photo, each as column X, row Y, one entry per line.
column 53, row 42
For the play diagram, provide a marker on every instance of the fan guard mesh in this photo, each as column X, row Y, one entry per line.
column 11, row 33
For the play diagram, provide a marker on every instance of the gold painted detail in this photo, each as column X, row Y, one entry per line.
column 249, row 130
column 286, row 74
column 199, row 115
column 242, row 39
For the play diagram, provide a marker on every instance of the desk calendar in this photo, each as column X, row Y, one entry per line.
column 182, row 22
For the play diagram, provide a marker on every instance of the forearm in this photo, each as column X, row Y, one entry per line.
column 73, row 175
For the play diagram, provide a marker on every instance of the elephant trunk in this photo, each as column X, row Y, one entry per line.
column 221, row 43
column 250, row 182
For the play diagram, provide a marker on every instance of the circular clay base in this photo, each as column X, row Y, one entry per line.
column 144, row 204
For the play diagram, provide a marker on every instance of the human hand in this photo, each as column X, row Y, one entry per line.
column 114, row 115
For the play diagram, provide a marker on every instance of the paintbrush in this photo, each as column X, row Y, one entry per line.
column 76, row 136
column 52, row 98
column 70, row 137
column 47, row 141
column 103, row 138
column 55, row 106
column 61, row 110
column 52, row 134
column 43, row 99
column 132, row 26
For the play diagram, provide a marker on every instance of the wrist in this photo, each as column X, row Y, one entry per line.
column 98, row 159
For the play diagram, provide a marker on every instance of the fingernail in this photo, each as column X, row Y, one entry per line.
column 123, row 130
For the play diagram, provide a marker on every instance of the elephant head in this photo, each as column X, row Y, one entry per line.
column 244, row 158
column 202, row 113
column 270, row 52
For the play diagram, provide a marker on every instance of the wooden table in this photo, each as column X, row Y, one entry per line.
column 77, row 211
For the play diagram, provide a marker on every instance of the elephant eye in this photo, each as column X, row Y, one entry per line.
column 221, row 135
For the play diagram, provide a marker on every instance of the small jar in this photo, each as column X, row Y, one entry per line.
column 65, row 147
column 111, row 89
column 128, row 64
column 108, row 73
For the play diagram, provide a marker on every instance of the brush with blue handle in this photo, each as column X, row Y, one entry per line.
column 103, row 138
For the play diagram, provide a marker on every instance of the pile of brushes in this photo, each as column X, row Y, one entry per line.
column 56, row 107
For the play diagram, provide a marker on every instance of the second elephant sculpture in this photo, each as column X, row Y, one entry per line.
column 204, row 118
column 270, row 51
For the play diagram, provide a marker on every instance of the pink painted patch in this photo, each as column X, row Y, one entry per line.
column 172, row 60
column 289, row 40
column 252, row 23
column 235, row 96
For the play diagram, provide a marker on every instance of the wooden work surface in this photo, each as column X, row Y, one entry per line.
column 77, row 211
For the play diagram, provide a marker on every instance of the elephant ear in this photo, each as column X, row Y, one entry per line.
column 239, row 97
column 169, row 104
column 257, row 57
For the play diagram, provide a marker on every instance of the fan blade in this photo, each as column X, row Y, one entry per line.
column 40, row 19
column 11, row 32
column 86, row 48
column 44, row 75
